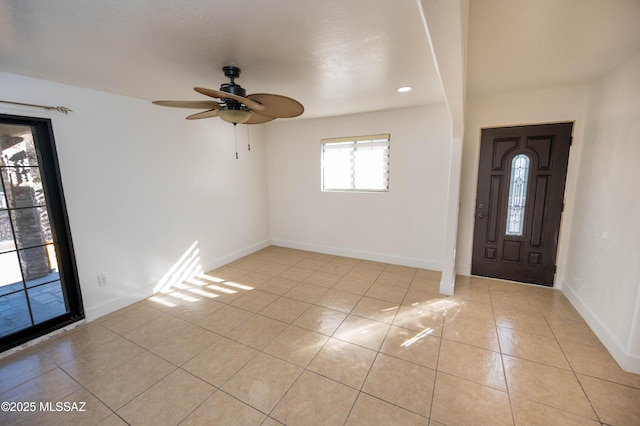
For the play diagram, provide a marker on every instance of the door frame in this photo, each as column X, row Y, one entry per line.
column 564, row 132
column 51, row 178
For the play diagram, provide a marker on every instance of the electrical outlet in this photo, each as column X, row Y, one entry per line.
column 102, row 280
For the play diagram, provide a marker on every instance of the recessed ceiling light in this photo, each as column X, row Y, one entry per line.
column 404, row 89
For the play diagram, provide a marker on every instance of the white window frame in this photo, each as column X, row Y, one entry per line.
column 352, row 172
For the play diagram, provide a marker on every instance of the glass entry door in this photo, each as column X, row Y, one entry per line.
column 38, row 280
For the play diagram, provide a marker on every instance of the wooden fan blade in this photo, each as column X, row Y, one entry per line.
column 189, row 104
column 220, row 94
column 203, row 114
column 258, row 118
column 278, row 106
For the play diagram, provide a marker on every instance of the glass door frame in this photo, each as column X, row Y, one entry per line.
column 42, row 130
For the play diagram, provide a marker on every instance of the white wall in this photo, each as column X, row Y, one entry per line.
column 404, row 226
column 603, row 267
column 142, row 185
column 447, row 28
column 513, row 109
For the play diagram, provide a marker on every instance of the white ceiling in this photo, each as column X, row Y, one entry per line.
column 334, row 56
column 532, row 44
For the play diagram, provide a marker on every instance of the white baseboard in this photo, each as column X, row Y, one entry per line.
column 113, row 305
column 221, row 261
column 632, row 364
column 463, row 270
column 628, row 361
column 128, row 299
column 360, row 254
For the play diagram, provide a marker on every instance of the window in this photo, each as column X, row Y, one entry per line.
column 356, row 164
column 517, row 194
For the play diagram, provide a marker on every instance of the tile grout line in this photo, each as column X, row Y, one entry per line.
column 114, row 412
column 575, row 375
column 192, row 323
column 261, row 351
column 372, row 363
column 538, row 301
column 550, row 366
column 360, row 391
column 435, row 376
column 504, row 369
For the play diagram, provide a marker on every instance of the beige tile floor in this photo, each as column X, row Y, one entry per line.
column 292, row 337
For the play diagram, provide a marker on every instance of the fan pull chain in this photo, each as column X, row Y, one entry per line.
column 248, row 139
column 235, row 132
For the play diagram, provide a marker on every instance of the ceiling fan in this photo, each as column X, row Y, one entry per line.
column 234, row 106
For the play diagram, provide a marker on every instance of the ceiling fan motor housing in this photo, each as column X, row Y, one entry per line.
column 234, row 89
column 232, row 73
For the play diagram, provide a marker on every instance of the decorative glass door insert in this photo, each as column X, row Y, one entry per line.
column 518, row 185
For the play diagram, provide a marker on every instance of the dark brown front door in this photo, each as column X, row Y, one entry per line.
column 519, row 201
